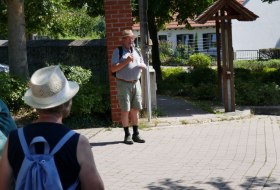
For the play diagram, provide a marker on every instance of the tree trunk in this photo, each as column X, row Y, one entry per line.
column 155, row 48
column 17, row 39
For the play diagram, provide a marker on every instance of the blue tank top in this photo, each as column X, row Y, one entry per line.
column 65, row 159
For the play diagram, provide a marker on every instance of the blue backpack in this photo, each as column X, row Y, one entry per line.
column 38, row 171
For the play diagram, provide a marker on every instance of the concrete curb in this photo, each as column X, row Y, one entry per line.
column 196, row 119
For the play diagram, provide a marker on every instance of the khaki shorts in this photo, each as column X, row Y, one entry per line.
column 129, row 95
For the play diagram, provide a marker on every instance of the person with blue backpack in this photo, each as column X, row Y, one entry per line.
column 127, row 65
column 45, row 154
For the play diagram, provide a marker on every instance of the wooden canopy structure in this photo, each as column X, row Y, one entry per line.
column 223, row 11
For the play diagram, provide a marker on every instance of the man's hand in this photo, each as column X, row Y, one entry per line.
column 142, row 65
column 129, row 58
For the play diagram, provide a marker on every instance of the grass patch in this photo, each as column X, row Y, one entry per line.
column 155, row 113
column 205, row 105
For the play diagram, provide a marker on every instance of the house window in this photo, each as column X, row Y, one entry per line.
column 186, row 39
column 209, row 41
column 162, row 37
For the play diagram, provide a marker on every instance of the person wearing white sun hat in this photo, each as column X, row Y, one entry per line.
column 51, row 94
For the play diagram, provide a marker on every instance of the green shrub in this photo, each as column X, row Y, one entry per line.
column 90, row 98
column 268, row 69
column 256, row 65
column 205, row 92
column 253, row 65
column 77, row 74
column 242, row 74
column 257, row 93
column 12, row 90
column 272, row 63
column 169, row 61
column 166, row 72
column 203, row 75
column 271, row 76
column 173, row 79
column 245, row 93
column 165, row 48
column 200, row 83
column 269, row 94
column 256, row 83
column 182, row 51
column 199, row 60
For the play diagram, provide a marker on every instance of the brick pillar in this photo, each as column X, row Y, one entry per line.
column 118, row 16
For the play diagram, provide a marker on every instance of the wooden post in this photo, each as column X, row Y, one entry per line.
column 231, row 69
column 219, row 66
column 227, row 56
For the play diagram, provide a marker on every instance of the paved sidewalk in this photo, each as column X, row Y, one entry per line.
column 237, row 154
column 228, row 151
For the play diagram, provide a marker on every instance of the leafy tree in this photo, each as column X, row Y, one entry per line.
column 3, row 20
column 94, row 7
column 78, row 24
column 161, row 12
column 39, row 17
column 42, row 17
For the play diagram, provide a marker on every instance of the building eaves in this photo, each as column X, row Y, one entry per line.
column 233, row 8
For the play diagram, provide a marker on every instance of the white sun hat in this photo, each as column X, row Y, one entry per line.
column 49, row 88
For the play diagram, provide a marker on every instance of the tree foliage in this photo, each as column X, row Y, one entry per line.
column 76, row 23
column 162, row 12
column 45, row 16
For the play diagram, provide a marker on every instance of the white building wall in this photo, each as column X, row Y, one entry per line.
column 172, row 34
column 261, row 33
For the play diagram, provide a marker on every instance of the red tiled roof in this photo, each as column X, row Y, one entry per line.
column 174, row 25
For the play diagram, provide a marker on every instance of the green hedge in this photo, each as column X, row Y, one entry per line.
column 91, row 98
column 90, row 101
column 12, row 90
column 256, row 83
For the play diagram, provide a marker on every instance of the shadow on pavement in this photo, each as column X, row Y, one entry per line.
column 176, row 107
column 105, row 143
column 217, row 183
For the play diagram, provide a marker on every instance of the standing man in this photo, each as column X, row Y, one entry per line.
column 127, row 63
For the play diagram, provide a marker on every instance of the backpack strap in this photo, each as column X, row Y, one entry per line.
column 41, row 140
column 120, row 52
column 62, row 141
column 23, row 142
column 138, row 52
column 74, row 185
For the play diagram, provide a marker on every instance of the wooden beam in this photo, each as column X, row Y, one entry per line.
column 229, row 17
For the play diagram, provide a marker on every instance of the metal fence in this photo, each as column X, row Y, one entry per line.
column 262, row 54
column 246, row 55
